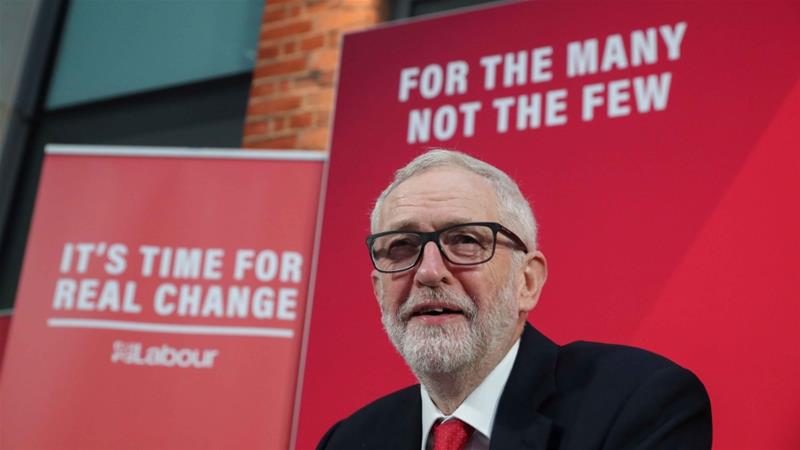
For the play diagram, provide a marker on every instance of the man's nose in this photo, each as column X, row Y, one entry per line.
column 432, row 270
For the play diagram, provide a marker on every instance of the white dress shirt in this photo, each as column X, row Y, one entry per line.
column 478, row 409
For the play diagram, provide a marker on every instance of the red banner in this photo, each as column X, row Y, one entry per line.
column 5, row 324
column 162, row 300
column 658, row 144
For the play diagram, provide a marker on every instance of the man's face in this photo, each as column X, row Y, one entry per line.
column 441, row 317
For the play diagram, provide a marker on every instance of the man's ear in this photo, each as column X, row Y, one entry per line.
column 535, row 275
column 377, row 287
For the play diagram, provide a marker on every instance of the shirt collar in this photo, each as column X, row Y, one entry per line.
column 480, row 407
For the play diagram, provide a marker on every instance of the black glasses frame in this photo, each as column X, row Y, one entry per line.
column 433, row 236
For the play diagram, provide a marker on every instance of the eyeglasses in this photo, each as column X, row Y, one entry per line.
column 465, row 244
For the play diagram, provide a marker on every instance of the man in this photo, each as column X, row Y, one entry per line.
column 457, row 271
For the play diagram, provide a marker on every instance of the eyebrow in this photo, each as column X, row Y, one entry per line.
column 412, row 225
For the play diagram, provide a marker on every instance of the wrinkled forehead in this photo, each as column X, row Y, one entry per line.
column 439, row 197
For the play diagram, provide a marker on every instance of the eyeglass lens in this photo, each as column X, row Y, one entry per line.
column 464, row 244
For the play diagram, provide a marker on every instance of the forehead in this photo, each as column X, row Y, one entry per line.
column 439, row 197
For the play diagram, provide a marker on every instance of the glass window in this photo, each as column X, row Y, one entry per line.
column 119, row 47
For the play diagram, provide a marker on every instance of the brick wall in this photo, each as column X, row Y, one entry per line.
column 291, row 97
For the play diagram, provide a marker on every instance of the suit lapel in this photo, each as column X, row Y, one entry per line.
column 518, row 423
column 410, row 437
column 403, row 430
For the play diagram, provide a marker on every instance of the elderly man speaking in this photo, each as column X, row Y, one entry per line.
column 457, row 271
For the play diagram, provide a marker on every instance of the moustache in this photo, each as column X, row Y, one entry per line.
column 441, row 297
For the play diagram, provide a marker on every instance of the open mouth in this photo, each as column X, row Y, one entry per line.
column 434, row 311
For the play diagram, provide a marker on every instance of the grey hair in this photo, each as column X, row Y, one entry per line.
column 515, row 211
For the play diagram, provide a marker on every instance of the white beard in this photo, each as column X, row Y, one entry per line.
column 452, row 347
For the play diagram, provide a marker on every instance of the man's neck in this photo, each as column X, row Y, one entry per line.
column 449, row 390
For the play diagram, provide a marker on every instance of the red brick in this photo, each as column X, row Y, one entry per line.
column 327, row 78
column 300, row 120
column 307, row 83
column 318, row 7
column 268, row 52
column 313, row 139
column 363, row 3
column 279, row 31
column 278, row 143
column 321, row 99
column 324, row 59
column 323, row 118
column 313, row 42
column 280, row 68
column 334, row 37
column 273, row 106
column 261, row 89
column 254, row 128
column 291, row 98
column 342, row 20
column 274, row 15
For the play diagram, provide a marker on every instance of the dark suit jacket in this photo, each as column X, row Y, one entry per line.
column 581, row 396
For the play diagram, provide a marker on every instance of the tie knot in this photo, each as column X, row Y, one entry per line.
column 452, row 434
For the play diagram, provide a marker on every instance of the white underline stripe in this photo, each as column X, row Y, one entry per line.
column 170, row 328
column 184, row 152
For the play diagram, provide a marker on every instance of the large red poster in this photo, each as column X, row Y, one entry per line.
column 162, row 300
column 658, row 144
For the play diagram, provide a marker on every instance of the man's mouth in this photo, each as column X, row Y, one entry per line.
column 436, row 311
column 436, row 306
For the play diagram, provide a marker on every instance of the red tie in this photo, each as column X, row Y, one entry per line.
column 450, row 435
